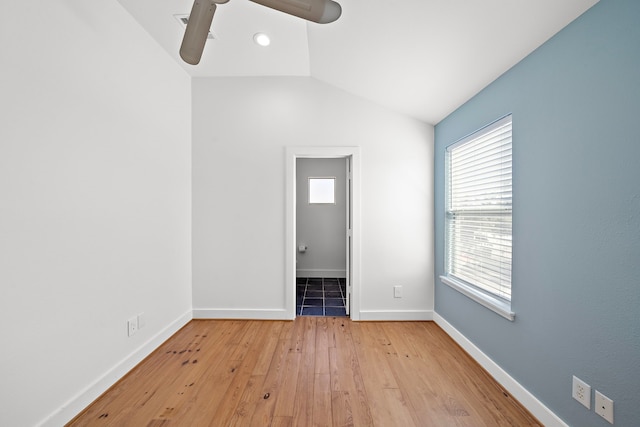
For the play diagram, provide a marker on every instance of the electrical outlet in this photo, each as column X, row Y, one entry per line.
column 604, row 406
column 132, row 326
column 581, row 392
column 397, row 291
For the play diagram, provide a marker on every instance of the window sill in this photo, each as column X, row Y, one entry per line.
column 494, row 304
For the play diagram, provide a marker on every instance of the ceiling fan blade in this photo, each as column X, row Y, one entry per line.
column 320, row 11
column 195, row 36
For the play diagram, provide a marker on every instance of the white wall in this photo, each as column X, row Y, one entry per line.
column 95, row 202
column 240, row 129
column 321, row 228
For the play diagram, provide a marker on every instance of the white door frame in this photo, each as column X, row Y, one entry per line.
column 293, row 153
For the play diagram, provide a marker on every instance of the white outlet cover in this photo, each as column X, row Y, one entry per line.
column 604, row 406
column 397, row 291
column 132, row 326
column 581, row 392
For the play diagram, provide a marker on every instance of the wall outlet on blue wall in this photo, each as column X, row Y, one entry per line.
column 581, row 392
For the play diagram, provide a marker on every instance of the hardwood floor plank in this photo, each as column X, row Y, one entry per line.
column 321, row 412
column 346, row 375
column 285, row 394
column 386, row 402
column 322, row 346
column 309, row 338
column 243, row 373
column 314, row 371
column 269, row 348
column 282, row 422
column 287, row 330
column 246, row 406
column 252, row 332
column 341, row 411
column 264, row 408
column 393, row 409
column 303, row 405
column 430, row 385
column 371, row 348
column 426, row 409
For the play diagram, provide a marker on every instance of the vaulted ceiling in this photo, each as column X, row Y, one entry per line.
column 423, row 58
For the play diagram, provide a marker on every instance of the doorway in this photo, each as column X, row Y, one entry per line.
column 344, row 277
column 321, row 227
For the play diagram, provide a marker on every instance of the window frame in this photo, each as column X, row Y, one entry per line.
column 492, row 300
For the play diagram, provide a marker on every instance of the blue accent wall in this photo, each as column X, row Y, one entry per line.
column 576, row 216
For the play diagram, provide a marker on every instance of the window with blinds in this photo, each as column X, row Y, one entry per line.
column 478, row 213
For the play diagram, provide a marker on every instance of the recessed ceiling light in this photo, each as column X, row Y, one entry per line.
column 262, row 39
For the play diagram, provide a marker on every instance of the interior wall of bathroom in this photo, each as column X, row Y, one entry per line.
column 321, row 228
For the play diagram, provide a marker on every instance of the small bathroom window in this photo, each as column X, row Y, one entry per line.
column 322, row 190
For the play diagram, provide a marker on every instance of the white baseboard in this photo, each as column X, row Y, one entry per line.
column 321, row 272
column 85, row 397
column 396, row 315
column 528, row 400
column 249, row 314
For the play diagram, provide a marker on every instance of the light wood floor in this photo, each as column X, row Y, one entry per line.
column 315, row 371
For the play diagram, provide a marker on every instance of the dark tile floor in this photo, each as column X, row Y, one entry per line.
column 320, row 296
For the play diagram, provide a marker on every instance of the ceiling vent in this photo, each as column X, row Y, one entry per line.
column 183, row 19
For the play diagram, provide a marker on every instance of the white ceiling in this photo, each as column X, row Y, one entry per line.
column 423, row 58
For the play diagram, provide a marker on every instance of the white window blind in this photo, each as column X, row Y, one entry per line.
column 478, row 216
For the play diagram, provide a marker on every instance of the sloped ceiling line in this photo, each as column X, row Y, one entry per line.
column 421, row 58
